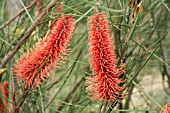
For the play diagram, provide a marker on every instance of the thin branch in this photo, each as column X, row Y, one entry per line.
column 155, row 19
column 104, row 107
column 19, row 13
column 129, row 96
column 166, row 71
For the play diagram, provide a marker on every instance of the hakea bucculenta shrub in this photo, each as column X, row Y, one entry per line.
column 104, row 84
column 3, row 96
column 35, row 66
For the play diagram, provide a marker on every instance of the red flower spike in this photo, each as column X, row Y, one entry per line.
column 39, row 7
column 5, row 91
column 34, row 66
column 104, row 82
column 2, row 106
column 165, row 109
column 4, row 94
column 59, row 7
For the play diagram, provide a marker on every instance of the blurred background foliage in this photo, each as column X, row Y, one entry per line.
column 141, row 41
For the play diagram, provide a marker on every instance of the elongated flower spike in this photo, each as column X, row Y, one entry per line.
column 35, row 66
column 165, row 109
column 104, row 84
column 2, row 106
column 4, row 95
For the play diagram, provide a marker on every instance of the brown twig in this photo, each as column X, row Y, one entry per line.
column 166, row 71
column 26, row 36
column 155, row 18
column 129, row 96
column 19, row 13
column 117, row 39
column 104, row 107
column 12, row 93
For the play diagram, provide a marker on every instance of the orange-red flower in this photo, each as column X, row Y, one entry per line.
column 39, row 7
column 2, row 106
column 104, row 82
column 34, row 66
column 165, row 109
column 3, row 96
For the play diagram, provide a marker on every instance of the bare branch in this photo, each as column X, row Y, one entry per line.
column 19, row 13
